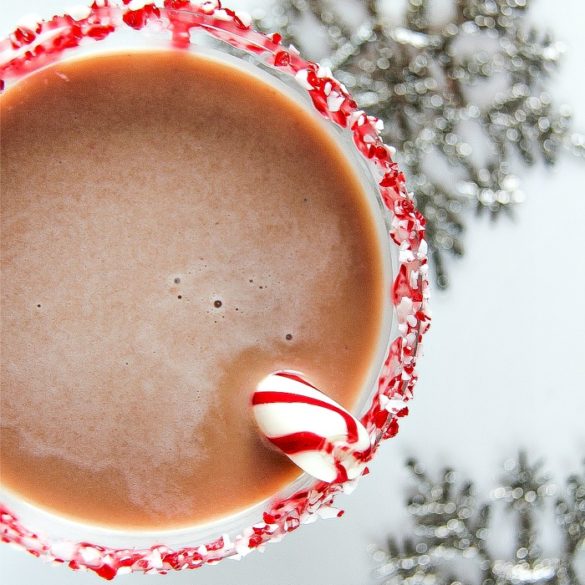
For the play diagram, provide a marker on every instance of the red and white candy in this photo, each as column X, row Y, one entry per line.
column 315, row 432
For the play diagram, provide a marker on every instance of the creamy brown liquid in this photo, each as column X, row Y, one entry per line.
column 173, row 230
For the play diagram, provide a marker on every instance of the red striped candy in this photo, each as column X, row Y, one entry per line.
column 315, row 432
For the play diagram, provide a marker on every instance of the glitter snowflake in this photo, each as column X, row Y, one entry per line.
column 452, row 527
column 461, row 101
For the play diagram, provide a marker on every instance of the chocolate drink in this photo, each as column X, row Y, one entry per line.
column 173, row 229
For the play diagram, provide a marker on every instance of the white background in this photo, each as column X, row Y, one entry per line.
column 504, row 366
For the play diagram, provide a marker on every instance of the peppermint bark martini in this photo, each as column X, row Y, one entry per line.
column 175, row 227
column 159, row 258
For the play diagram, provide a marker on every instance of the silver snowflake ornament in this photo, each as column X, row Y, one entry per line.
column 452, row 528
column 460, row 101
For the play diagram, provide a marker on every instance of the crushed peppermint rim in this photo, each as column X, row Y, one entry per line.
column 36, row 44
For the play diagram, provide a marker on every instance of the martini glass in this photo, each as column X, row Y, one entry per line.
column 219, row 33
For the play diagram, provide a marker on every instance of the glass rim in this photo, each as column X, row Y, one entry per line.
column 31, row 47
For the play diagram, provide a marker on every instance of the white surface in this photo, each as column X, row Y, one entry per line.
column 482, row 394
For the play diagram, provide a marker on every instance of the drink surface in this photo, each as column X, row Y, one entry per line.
column 173, row 229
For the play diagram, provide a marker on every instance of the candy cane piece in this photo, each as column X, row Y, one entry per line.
column 314, row 431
